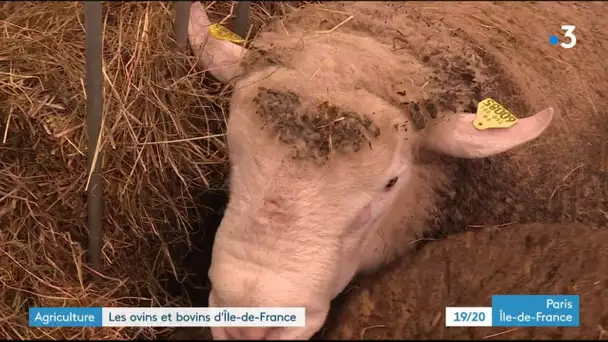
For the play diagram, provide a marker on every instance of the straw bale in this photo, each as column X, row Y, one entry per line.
column 162, row 145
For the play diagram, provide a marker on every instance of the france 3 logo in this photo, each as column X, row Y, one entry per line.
column 569, row 38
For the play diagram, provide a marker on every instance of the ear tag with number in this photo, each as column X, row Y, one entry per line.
column 220, row 32
column 491, row 114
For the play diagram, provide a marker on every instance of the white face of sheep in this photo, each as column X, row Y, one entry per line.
column 294, row 232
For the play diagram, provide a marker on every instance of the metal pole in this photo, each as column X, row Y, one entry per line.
column 93, row 35
column 180, row 26
column 242, row 18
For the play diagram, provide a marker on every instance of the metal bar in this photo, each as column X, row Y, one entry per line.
column 93, row 34
column 180, row 25
column 242, row 18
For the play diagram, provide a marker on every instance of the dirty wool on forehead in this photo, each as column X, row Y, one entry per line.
column 313, row 131
column 311, row 145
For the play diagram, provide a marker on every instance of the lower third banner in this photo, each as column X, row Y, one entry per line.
column 167, row 317
column 518, row 311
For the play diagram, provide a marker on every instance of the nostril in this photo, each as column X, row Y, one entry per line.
column 242, row 333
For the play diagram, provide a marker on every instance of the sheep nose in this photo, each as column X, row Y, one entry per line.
column 242, row 333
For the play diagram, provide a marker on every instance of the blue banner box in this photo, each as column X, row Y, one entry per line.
column 65, row 317
column 535, row 311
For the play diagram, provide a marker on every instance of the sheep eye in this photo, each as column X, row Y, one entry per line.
column 391, row 183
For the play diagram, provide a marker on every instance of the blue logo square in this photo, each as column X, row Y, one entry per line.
column 535, row 310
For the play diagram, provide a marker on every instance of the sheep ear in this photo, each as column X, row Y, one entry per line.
column 456, row 136
column 220, row 57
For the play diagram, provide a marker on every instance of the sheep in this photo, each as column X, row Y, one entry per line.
column 324, row 138
column 535, row 258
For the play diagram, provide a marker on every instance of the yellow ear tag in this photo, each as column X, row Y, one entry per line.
column 491, row 114
column 220, row 32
